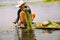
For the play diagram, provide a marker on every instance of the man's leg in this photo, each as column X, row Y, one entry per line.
column 32, row 16
column 22, row 17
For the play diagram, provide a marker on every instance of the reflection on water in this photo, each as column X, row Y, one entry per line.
column 8, row 35
column 55, row 35
column 39, row 35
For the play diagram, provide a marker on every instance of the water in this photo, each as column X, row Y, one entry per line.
column 42, row 11
column 55, row 35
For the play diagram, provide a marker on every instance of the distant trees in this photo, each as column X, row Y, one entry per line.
column 51, row 0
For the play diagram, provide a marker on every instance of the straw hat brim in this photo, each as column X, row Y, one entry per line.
column 19, row 5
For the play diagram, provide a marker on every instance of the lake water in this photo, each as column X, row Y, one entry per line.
column 42, row 11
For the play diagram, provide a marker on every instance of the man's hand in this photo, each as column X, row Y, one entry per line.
column 14, row 22
column 22, row 25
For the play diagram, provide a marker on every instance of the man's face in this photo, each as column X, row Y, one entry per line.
column 22, row 7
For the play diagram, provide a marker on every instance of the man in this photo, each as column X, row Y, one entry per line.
column 21, row 12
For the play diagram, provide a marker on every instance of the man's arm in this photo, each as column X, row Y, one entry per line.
column 18, row 15
column 17, row 19
column 28, row 9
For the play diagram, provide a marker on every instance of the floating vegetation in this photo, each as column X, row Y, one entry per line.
column 47, row 24
column 2, row 5
column 6, row 5
column 52, row 1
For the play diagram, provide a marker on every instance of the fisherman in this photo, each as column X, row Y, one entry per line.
column 21, row 12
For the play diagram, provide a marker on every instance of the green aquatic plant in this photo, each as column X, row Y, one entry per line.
column 29, row 27
column 54, row 25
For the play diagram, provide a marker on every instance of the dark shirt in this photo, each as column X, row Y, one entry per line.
column 18, row 13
